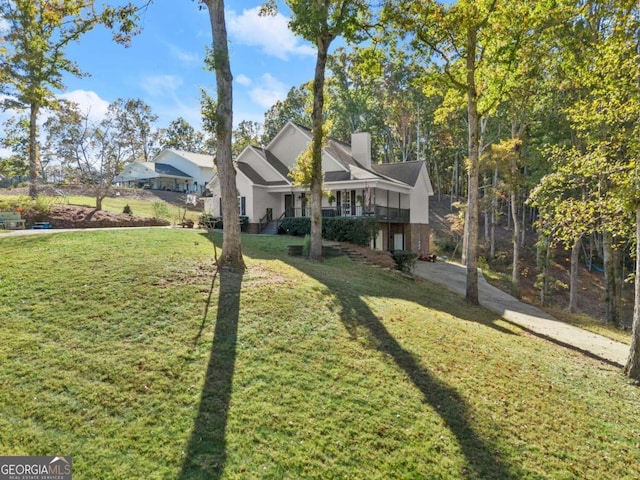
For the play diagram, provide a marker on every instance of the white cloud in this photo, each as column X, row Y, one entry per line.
column 161, row 85
column 268, row 91
column 270, row 33
column 183, row 56
column 89, row 102
column 243, row 80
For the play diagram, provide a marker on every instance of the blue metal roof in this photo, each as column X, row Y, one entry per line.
column 164, row 169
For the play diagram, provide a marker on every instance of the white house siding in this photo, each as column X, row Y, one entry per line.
column 262, row 200
column 245, row 189
column 212, row 204
column 420, row 198
column 419, row 206
column 207, row 175
column 288, row 145
column 200, row 175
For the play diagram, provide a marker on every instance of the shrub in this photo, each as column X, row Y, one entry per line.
column 127, row 210
column 405, row 260
column 26, row 205
column 160, row 210
column 207, row 220
column 296, row 226
column 306, row 248
column 340, row 229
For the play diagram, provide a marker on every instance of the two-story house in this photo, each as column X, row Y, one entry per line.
column 397, row 194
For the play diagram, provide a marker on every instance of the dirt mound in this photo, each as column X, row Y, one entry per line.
column 71, row 216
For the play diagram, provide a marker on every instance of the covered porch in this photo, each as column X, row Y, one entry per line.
column 384, row 205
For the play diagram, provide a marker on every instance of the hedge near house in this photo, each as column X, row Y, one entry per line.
column 340, row 229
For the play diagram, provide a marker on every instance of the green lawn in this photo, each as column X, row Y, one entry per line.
column 140, row 208
column 298, row 370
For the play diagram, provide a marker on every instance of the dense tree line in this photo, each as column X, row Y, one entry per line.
column 528, row 109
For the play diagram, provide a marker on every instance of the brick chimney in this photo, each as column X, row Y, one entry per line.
column 361, row 148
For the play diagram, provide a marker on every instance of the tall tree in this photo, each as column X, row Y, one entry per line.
column 231, row 255
column 135, row 121
column 90, row 153
column 181, row 135
column 605, row 116
column 354, row 95
column 245, row 134
column 321, row 22
column 476, row 44
column 296, row 107
column 15, row 139
column 33, row 59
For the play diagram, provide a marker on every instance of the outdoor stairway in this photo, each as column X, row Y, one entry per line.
column 354, row 255
column 271, row 228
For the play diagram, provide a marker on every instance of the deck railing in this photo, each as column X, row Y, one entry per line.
column 381, row 213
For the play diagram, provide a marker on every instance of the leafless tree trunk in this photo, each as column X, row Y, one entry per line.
column 573, row 279
column 609, row 279
column 515, row 268
column 545, row 249
column 494, row 213
column 231, row 255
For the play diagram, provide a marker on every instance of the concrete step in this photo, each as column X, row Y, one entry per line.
column 270, row 229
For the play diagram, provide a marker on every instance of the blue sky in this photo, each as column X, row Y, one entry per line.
column 164, row 64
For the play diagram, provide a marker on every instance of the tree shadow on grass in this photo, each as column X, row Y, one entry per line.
column 207, row 452
column 482, row 457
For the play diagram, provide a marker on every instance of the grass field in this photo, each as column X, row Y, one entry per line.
column 112, row 353
column 140, row 208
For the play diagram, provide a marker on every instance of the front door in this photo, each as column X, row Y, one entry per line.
column 289, row 205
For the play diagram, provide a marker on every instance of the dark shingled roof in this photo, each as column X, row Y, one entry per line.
column 343, row 157
column 164, row 169
column 272, row 160
column 280, row 167
column 405, row 172
column 254, row 176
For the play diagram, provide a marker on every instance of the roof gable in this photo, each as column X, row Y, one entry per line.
column 255, row 178
column 405, row 172
column 292, row 141
column 199, row 159
column 260, row 165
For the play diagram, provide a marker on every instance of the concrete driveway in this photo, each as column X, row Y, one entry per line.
column 453, row 277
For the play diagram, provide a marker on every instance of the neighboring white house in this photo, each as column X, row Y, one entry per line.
column 171, row 169
column 397, row 194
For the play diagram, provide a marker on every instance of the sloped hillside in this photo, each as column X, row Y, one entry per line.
column 446, row 234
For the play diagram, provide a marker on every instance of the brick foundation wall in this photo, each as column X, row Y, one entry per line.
column 418, row 238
